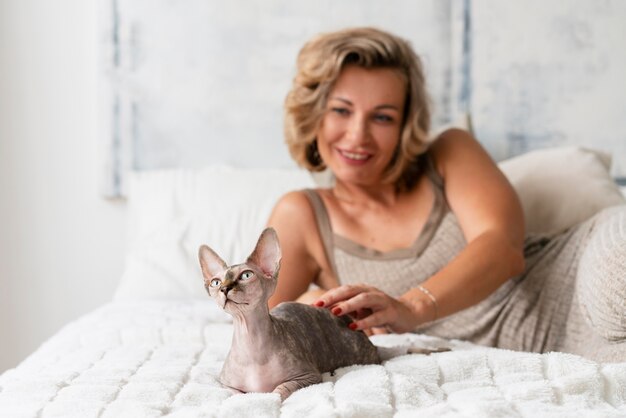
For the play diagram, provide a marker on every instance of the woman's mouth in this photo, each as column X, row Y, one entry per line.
column 354, row 157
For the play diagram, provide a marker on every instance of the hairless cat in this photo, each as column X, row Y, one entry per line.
column 284, row 349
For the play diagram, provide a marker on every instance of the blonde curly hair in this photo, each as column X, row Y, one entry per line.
column 319, row 64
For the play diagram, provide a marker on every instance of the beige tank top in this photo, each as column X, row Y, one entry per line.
column 395, row 272
column 399, row 270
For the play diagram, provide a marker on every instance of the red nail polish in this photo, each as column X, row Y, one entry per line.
column 352, row 326
column 336, row 311
column 319, row 303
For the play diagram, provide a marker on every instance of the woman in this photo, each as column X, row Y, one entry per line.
column 412, row 236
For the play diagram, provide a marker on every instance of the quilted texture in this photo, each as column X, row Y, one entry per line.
column 152, row 359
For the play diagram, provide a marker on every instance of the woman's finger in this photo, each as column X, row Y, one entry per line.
column 377, row 319
column 338, row 294
column 360, row 303
column 379, row 330
column 361, row 313
column 310, row 296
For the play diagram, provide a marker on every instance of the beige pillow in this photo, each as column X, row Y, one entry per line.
column 562, row 186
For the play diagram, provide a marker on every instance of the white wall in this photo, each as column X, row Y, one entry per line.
column 61, row 244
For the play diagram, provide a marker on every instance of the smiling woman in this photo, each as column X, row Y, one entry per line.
column 419, row 236
column 322, row 63
column 361, row 127
column 358, row 107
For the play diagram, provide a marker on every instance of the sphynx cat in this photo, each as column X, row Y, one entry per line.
column 284, row 349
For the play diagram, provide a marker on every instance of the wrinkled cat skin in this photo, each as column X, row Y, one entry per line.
column 283, row 350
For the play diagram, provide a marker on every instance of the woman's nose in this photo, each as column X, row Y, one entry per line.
column 358, row 129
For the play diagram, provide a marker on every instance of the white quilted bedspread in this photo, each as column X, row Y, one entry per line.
column 146, row 359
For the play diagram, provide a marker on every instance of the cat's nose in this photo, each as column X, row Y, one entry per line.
column 227, row 288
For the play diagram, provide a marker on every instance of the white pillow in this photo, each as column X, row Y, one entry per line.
column 559, row 187
column 173, row 212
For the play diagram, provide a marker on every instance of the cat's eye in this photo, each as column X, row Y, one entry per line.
column 216, row 282
column 246, row 275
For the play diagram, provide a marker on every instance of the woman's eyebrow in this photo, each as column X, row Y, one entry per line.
column 387, row 106
column 341, row 99
column 382, row 106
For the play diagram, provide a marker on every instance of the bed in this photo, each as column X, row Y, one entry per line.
column 157, row 348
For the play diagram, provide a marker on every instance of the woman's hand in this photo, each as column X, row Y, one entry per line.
column 373, row 309
column 311, row 296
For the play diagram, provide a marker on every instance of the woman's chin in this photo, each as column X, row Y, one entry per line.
column 362, row 178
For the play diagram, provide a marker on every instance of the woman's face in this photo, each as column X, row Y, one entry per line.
column 361, row 128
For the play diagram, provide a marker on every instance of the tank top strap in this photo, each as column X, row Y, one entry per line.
column 323, row 225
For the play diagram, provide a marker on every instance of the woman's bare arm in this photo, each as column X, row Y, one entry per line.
column 490, row 215
column 294, row 221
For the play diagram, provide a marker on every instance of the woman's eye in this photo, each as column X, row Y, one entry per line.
column 245, row 275
column 340, row 111
column 383, row 118
column 215, row 282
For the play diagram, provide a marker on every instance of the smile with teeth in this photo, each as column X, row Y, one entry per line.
column 359, row 156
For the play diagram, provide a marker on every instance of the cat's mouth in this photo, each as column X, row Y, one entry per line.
column 226, row 300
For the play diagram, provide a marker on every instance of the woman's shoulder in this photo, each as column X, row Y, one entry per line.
column 298, row 200
column 450, row 145
column 296, row 208
column 295, row 201
column 451, row 139
column 295, row 221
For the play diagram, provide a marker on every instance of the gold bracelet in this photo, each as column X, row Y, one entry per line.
column 432, row 299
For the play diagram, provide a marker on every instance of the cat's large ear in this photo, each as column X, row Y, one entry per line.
column 211, row 263
column 266, row 254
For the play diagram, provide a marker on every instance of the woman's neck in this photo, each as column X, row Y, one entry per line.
column 354, row 194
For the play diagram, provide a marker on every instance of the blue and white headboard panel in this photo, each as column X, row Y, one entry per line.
column 197, row 82
column 547, row 73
